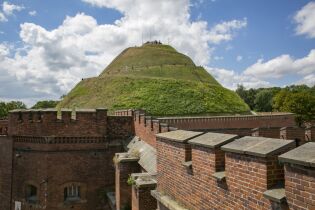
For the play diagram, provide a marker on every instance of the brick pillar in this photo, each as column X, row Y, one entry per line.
column 299, row 167
column 253, row 172
column 125, row 165
column 293, row 133
column 141, row 192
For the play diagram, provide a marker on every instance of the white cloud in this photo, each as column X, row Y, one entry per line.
column 239, row 58
column 32, row 13
column 51, row 62
column 217, row 58
column 282, row 66
column 9, row 9
column 305, row 19
column 230, row 79
column 3, row 17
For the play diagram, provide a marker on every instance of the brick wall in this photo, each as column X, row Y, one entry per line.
column 273, row 132
column 46, row 123
column 294, row 133
column 123, row 191
column 5, row 171
column 250, row 121
column 300, row 187
column 53, row 168
column 247, row 177
column 52, row 153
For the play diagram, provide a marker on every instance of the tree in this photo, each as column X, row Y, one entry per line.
column 302, row 104
column 45, row 104
column 247, row 95
column 263, row 101
column 3, row 110
column 6, row 107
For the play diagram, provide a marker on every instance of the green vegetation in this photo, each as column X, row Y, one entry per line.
column 6, row 107
column 158, row 79
column 298, row 99
column 45, row 104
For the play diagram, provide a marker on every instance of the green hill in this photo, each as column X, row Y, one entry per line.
column 158, row 79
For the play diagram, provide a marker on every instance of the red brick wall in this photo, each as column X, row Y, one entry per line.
column 197, row 123
column 300, row 187
column 142, row 199
column 5, row 171
column 46, row 124
column 3, row 127
column 267, row 132
column 122, row 189
column 64, row 151
column 293, row 133
column 247, row 178
column 91, row 168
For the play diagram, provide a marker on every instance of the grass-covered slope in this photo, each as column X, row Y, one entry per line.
column 158, row 79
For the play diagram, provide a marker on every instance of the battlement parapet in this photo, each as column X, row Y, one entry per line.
column 293, row 133
column 69, row 123
column 243, row 172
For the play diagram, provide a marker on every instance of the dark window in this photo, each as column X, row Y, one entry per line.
column 31, row 194
column 72, row 193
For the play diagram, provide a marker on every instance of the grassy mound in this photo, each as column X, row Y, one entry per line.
column 158, row 79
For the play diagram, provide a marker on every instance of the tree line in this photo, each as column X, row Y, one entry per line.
column 6, row 107
column 298, row 99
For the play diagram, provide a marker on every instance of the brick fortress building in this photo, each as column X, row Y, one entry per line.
column 88, row 160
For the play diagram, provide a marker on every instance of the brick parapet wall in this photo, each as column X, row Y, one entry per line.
column 249, row 121
column 3, row 127
column 300, row 187
column 271, row 132
column 247, row 177
column 293, row 133
column 47, row 123
column 93, row 123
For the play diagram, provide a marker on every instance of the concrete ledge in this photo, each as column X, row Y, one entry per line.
column 125, row 157
column 303, row 155
column 179, row 135
column 212, row 140
column 257, row 146
column 187, row 164
column 276, row 195
column 220, row 176
column 167, row 201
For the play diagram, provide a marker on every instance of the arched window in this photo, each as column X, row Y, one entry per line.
column 31, row 194
column 72, row 193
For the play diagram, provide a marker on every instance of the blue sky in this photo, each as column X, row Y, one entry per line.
column 46, row 47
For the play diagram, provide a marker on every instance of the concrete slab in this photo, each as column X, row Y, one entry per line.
column 179, row 135
column 276, row 195
column 303, row 155
column 212, row 140
column 220, row 176
column 257, row 146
